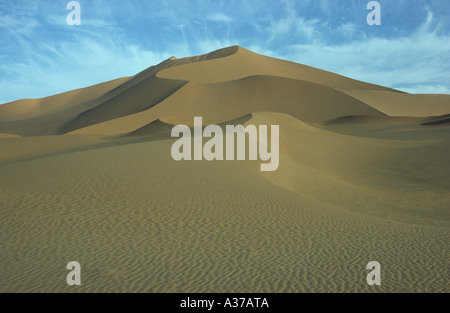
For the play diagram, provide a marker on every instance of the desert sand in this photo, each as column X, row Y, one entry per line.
column 364, row 176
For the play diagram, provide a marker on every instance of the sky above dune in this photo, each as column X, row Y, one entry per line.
column 41, row 55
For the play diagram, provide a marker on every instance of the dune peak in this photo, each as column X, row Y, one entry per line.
column 220, row 53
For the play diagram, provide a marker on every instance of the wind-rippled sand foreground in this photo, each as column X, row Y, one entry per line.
column 88, row 176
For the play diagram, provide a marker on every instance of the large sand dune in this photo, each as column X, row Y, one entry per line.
column 88, row 176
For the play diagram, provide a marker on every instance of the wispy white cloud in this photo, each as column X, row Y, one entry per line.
column 45, row 56
column 422, row 59
column 219, row 17
column 54, row 68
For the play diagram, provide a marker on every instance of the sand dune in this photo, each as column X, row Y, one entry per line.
column 87, row 175
column 236, row 62
column 138, row 98
column 398, row 104
column 220, row 86
column 372, row 172
column 32, row 108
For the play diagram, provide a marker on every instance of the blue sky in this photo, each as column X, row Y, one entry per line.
column 41, row 55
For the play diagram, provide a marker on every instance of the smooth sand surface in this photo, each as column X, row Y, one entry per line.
column 88, row 176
